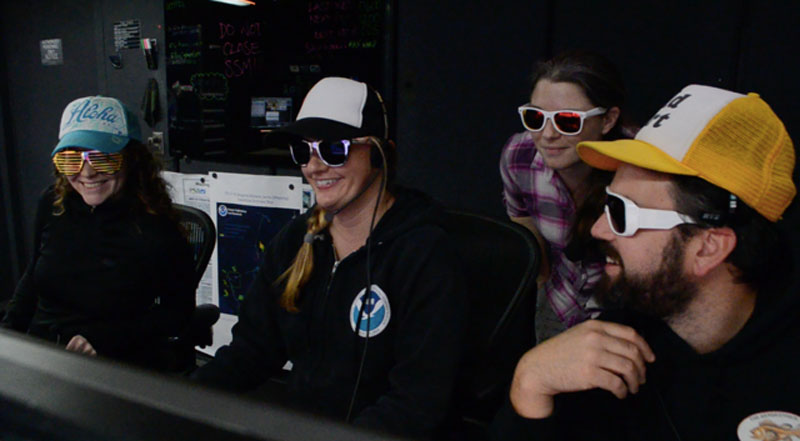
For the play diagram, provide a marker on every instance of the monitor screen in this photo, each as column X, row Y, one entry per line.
column 48, row 393
column 270, row 112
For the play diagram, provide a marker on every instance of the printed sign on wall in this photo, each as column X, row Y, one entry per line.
column 52, row 55
column 127, row 34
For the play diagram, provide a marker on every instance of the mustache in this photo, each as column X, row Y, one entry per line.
column 591, row 249
column 610, row 293
column 606, row 249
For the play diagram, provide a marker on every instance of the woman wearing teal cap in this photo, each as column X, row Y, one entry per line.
column 111, row 274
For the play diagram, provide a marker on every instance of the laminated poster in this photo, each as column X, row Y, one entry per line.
column 248, row 210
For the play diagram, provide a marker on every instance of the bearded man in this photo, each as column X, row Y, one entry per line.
column 702, row 334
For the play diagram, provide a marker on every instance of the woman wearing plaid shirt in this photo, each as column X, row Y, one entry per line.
column 577, row 96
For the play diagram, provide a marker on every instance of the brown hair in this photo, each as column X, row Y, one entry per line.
column 761, row 256
column 143, row 186
column 602, row 83
column 597, row 77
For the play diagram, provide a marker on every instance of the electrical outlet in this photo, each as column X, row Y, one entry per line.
column 156, row 142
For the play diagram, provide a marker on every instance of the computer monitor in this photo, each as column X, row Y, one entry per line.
column 48, row 393
column 270, row 112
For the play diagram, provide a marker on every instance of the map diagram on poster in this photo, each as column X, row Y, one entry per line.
column 243, row 234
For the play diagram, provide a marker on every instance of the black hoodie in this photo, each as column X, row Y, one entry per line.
column 121, row 279
column 688, row 396
column 415, row 342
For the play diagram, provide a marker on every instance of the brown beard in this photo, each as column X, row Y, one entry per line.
column 662, row 294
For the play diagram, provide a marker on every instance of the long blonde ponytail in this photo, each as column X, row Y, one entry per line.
column 298, row 274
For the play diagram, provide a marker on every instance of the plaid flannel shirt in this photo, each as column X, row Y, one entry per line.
column 532, row 189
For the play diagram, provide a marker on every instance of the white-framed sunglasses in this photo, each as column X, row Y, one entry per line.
column 332, row 153
column 566, row 122
column 625, row 218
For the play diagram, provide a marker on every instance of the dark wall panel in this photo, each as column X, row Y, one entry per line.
column 461, row 73
column 659, row 47
column 9, row 221
column 37, row 93
column 768, row 63
column 9, row 261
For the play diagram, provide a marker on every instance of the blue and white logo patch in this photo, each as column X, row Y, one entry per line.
column 376, row 312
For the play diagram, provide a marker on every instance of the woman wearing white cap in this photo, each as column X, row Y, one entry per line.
column 110, row 274
column 386, row 359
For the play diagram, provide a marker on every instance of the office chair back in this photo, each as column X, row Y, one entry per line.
column 202, row 237
column 501, row 261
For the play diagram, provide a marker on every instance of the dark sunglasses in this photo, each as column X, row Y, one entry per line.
column 70, row 162
column 625, row 217
column 332, row 153
column 566, row 122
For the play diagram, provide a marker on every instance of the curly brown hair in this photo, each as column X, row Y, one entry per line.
column 144, row 188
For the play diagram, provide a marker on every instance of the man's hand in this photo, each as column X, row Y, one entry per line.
column 79, row 344
column 591, row 355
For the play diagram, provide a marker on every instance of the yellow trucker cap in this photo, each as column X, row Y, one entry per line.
column 731, row 140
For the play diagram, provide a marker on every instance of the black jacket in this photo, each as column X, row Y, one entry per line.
column 414, row 347
column 687, row 396
column 123, row 281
